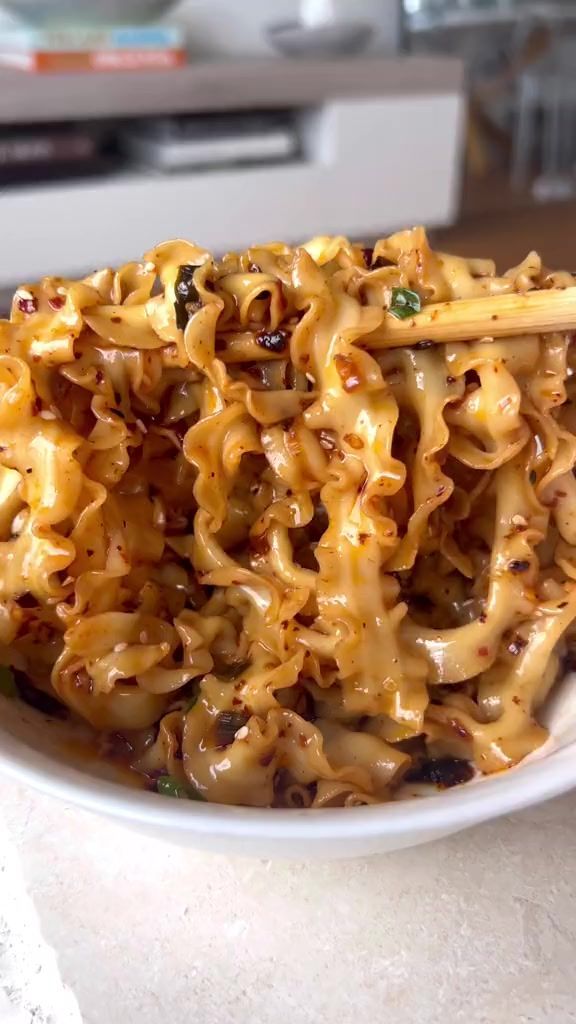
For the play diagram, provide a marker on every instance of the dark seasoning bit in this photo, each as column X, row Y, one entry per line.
column 232, row 670
column 443, row 772
column 518, row 565
column 185, row 294
column 375, row 264
column 227, row 725
column 516, row 646
column 273, row 341
column 38, row 699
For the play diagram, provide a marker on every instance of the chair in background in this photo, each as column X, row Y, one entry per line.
column 545, row 112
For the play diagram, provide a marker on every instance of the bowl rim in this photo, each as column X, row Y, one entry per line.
column 452, row 810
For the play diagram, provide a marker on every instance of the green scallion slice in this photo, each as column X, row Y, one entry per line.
column 404, row 303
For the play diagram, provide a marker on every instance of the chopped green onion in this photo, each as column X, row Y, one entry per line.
column 191, row 702
column 404, row 303
column 8, row 686
column 167, row 785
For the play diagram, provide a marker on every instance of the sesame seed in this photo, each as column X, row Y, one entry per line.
column 143, row 637
column 142, row 426
column 120, row 647
column 148, row 267
column 519, row 521
column 46, row 414
column 241, row 733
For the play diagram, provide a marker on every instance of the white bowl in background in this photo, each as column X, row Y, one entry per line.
column 33, row 751
column 338, row 39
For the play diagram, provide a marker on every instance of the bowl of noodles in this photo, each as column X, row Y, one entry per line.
column 289, row 542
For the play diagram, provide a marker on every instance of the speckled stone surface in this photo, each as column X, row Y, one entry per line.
column 477, row 929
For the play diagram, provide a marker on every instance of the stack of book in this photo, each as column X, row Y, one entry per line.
column 114, row 48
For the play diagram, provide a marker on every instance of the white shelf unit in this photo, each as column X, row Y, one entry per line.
column 386, row 156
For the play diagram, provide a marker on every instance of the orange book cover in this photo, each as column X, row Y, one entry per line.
column 95, row 60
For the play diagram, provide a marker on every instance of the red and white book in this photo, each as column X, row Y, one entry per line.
column 95, row 60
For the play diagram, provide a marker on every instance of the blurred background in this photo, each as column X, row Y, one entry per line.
column 124, row 122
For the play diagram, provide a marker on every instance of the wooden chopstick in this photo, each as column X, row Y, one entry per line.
column 496, row 316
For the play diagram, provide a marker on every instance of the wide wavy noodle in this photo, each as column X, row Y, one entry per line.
column 294, row 526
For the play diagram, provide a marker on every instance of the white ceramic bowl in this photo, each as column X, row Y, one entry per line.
column 32, row 752
column 331, row 40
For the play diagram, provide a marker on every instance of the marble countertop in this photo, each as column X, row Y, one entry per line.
column 102, row 926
